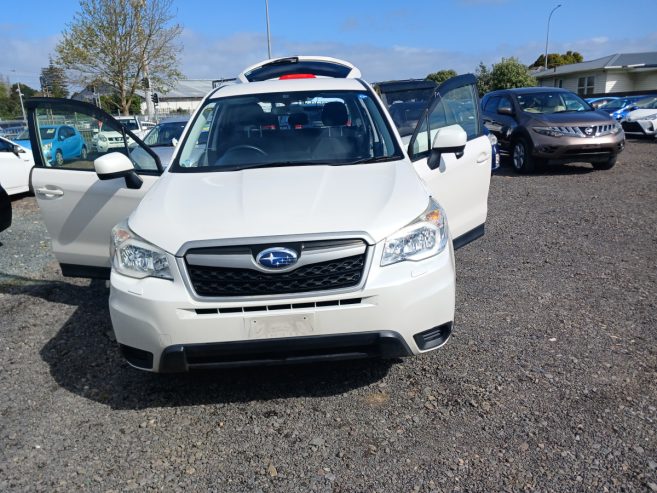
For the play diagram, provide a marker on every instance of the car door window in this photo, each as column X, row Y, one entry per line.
column 492, row 104
column 504, row 102
column 82, row 138
column 457, row 106
column 4, row 146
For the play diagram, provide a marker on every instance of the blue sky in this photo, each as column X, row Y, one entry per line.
column 386, row 39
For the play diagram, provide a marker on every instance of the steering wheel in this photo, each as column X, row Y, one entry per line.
column 245, row 147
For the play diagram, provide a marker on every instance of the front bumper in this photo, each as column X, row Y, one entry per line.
column 567, row 149
column 161, row 327
column 640, row 127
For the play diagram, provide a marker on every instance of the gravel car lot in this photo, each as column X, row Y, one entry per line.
column 549, row 382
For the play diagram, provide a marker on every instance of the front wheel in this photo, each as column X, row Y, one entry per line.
column 608, row 164
column 523, row 161
column 59, row 158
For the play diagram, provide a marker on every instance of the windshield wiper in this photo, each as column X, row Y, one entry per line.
column 274, row 164
column 380, row 159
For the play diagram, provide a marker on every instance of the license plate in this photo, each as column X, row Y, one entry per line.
column 280, row 326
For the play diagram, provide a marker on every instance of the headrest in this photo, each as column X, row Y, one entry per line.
column 298, row 120
column 334, row 114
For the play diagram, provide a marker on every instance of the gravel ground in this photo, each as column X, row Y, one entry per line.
column 549, row 382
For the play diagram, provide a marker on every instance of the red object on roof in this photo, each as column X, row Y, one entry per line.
column 296, row 76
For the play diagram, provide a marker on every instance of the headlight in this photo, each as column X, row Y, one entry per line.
column 47, row 147
column 617, row 128
column 102, row 138
column 425, row 237
column 648, row 117
column 134, row 257
column 492, row 138
column 551, row 131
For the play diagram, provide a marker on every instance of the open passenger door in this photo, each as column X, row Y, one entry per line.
column 453, row 156
column 90, row 173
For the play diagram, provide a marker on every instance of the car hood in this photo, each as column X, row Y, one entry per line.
column 111, row 133
column 377, row 199
column 582, row 118
column 640, row 114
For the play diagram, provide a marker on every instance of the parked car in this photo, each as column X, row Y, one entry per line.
column 642, row 120
column 5, row 209
column 619, row 108
column 133, row 124
column 108, row 139
column 164, row 137
column 16, row 162
column 277, row 244
column 13, row 132
column 551, row 125
column 597, row 102
column 407, row 100
column 60, row 143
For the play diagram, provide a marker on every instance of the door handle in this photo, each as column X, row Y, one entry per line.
column 483, row 157
column 49, row 193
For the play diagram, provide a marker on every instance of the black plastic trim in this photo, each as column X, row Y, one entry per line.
column 137, row 357
column 87, row 271
column 384, row 344
column 434, row 337
column 469, row 237
column 5, row 209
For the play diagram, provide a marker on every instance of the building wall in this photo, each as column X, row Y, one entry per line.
column 645, row 81
column 619, row 82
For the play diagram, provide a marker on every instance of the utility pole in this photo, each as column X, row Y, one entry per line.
column 547, row 35
column 20, row 96
column 148, row 92
column 268, row 32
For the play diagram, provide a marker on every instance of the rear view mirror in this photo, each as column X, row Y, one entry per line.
column 450, row 139
column 117, row 165
column 16, row 149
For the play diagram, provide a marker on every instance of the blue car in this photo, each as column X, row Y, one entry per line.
column 619, row 108
column 60, row 143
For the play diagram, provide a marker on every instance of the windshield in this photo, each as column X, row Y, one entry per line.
column 47, row 133
column 617, row 104
column 552, row 102
column 287, row 129
column 164, row 133
column 648, row 104
column 130, row 124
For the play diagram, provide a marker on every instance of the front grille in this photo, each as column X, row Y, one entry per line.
column 222, row 281
column 632, row 127
column 587, row 131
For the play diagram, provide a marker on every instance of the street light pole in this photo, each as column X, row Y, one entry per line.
column 268, row 33
column 547, row 35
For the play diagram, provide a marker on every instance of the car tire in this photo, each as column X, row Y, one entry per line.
column 83, row 153
column 59, row 158
column 521, row 157
column 608, row 164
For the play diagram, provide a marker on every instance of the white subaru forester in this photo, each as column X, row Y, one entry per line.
column 291, row 225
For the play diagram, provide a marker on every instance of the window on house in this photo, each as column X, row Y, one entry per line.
column 586, row 85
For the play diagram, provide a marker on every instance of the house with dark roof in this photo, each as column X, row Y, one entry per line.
column 618, row 74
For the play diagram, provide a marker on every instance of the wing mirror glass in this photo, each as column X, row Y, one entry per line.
column 117, row 165
column 450, row 139
column 505, row 110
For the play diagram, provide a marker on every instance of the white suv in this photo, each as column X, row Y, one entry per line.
column 292, row 224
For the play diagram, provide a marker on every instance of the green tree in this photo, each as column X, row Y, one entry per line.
column 53, row 81
column 112, row 104
column 484, row 83
column 441, row 75
column 119, row 42
column 556, row 59
column 510, row 73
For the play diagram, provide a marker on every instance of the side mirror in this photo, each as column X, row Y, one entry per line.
column 117, row 165
column 174, row 142
column 16, row 149
column 505, row 110
column 451, row 139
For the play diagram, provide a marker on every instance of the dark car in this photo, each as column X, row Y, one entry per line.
column 537, row 125
column 5, row 210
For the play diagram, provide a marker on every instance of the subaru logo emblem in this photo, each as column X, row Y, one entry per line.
column 277, row 258
column 588, row 130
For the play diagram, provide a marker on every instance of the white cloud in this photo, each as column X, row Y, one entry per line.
column 22, row 59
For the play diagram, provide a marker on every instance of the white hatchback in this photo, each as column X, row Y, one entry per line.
column 16, row 162
column 292, row 224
